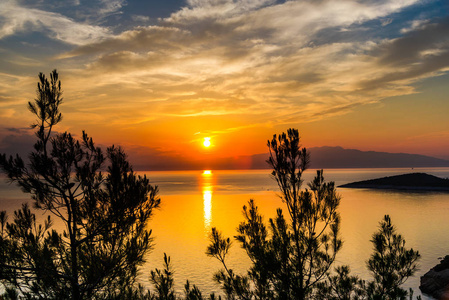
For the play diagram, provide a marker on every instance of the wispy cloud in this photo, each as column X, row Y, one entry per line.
column 420, row 53
column 263, row 62
column 259, row 56
column 19, row 19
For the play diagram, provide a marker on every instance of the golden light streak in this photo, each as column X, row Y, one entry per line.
column 207, row 199
column 207, row 204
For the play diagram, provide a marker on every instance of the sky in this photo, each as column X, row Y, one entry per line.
column 157, row 77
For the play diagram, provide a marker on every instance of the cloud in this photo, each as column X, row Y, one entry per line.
column 420, row 53
column 151, row 38
column 19, row 142
column 110, row 6
column 83, row 11
column 15, row 92
column 17, row 19
column 140, row 18
column 293, row 21
column 415, row 24
column 18, row 130
column 153, row 159
column 386, row 22
column 263, row 60
column 239, row 25
column 408, row 49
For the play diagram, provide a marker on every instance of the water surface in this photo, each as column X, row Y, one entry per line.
column 195, row 201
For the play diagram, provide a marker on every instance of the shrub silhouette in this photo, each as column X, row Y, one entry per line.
column 300, row 249
column 105, row 214
column 293, row 256
column 105, row 208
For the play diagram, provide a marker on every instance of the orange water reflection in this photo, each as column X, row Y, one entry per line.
column 207, row 188
column 193, row 202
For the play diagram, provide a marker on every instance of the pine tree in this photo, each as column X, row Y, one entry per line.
column 104, row 206
column 391, row 263
column 296, row 252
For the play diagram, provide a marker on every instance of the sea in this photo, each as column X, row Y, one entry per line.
column 192, row 202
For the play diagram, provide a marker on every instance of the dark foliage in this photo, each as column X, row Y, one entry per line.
column 292, row 257
column 294, row 254
column 341, row 286
column 105, row 214
column 105, row 208
column 391, row 263
column 163, row 283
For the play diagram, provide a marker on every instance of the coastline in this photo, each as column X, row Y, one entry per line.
column 395, row 187
column 411, row 181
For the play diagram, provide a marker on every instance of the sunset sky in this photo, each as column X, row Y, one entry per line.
column 157, row 77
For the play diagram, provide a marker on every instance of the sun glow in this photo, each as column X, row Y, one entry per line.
column 206, row 142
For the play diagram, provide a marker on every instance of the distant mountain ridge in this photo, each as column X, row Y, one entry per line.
column 320, row 158
column 337, row 157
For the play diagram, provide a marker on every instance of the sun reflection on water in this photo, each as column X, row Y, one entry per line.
column 207, row 188
column 207, row 203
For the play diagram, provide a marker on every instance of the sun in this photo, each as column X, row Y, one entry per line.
column 206, row 142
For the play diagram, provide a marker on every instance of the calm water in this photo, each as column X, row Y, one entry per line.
column 193, row 202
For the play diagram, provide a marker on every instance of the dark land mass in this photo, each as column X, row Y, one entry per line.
column 436, row 282
column 146, row 158
column 338, row 157
column 412, row 181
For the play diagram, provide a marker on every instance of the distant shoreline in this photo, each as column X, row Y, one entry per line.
column 311, row 169
column 396, row 187
column 412, row 181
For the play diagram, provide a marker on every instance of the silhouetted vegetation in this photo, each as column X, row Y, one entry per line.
column 292, row 258
column 163, row 281
column 390, row 265
column 105, row 208
column 298, row 253
column 105, row 214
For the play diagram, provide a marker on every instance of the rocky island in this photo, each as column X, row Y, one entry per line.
column 436, row 282
column 411, row 181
